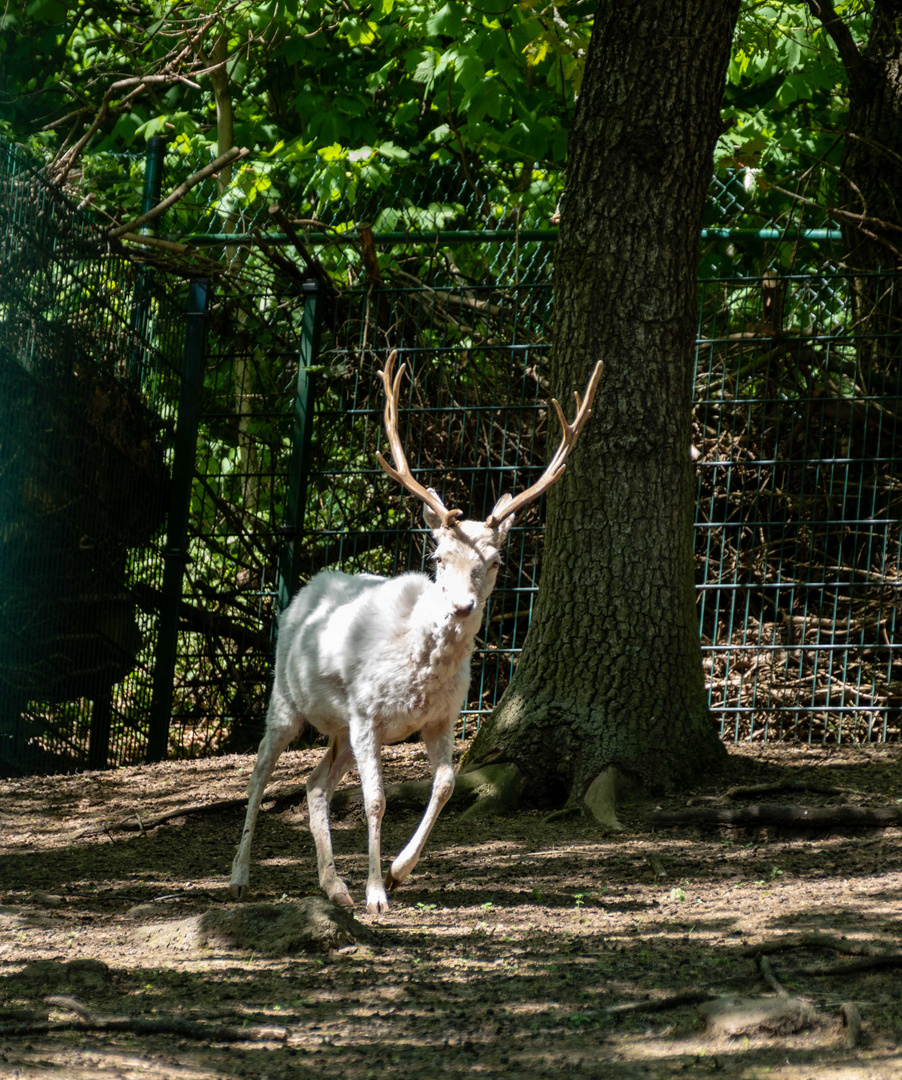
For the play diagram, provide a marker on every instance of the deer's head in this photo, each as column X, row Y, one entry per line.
column 468, row 553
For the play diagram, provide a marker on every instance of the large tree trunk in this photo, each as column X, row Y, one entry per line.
column 610, row 679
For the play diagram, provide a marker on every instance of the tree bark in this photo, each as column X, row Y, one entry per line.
column 610, row 681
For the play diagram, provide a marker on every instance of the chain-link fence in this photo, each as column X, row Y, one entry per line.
column 91, row 375
column 441, row 221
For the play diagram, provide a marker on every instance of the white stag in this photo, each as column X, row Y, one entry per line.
column 369, row 660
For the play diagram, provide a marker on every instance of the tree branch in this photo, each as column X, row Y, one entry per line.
column 841, row 36
column 182, row 190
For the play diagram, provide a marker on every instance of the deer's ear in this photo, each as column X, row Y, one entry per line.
column 503, row 528
column 432, row 519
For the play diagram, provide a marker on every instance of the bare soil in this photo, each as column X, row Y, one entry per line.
column 510, row 952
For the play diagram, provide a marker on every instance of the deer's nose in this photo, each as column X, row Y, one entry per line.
column 463, row 610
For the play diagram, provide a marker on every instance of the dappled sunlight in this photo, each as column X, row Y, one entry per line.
column 519, row 947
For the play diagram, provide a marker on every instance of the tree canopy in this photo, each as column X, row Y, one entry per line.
column 320, row 90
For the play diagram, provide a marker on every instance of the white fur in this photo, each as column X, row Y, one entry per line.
column 368, row 661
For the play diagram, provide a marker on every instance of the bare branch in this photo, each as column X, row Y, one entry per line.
column 182, row 190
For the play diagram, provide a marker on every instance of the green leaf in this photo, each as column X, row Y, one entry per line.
column 391, row 152
column 448, row 21
column 425, row 71
column 52, row 11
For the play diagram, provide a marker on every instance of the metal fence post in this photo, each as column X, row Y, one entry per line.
column 299, row 470
column 176, row 552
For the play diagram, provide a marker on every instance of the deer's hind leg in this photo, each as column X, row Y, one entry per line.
column 321, row 785
column 281, row 728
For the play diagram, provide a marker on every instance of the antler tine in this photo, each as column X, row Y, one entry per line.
column 555, row 468
column 402, row 473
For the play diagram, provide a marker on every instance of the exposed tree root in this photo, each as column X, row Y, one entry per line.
column 875, row 963
column 816, row 941
column 791, row 817
column 770, row 976
column 279, row 796
column 487, row 790
column 495, row 789
column 601, row 796
column 677, row 1001
column 755, row 790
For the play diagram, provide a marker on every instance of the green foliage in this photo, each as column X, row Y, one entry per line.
column 464, row 78
column 786, row 97
column 348, row 112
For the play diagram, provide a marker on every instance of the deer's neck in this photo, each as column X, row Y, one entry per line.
column 438, row 639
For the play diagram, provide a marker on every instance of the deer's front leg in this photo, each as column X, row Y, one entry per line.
column 367, row 753
column 439, row 742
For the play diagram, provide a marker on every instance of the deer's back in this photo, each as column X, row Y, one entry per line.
column 343, row 642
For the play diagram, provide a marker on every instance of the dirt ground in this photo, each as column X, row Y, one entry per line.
column 521, row 947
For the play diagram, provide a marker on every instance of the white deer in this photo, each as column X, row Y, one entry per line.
column 369, row 660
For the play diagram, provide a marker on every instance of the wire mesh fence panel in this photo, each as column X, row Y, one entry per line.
column 432, row 217
column 473, row 426
column 89, row 351
column 238, row 513
column 797, row 402
column 798, row 512
column 800, row 506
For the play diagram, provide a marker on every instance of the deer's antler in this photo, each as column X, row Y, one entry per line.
column 402, row 472
column 557, row 464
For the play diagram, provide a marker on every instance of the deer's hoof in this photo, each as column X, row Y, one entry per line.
column 338, row 893
column 391, row 883
column 376, row 902
column 239, row 892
